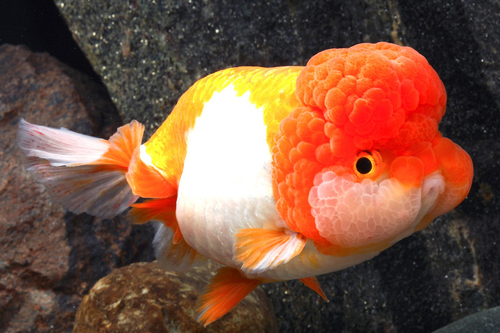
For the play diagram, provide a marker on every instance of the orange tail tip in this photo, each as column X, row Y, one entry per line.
column 83, row 173
column 313, row 283
column 261, row 249
column 225, row 291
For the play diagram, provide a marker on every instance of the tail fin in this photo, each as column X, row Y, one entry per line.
column 82, row 173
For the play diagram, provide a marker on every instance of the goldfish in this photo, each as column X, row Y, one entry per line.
column 275, row 173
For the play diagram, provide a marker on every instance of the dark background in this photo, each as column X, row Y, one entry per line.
column 38, row 25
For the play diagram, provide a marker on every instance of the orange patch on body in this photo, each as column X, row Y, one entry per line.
column 457, row 170
column 408, row 170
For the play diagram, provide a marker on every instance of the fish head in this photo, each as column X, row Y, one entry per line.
column 362, row 164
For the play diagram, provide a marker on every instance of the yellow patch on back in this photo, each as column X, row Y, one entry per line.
column 273, row 89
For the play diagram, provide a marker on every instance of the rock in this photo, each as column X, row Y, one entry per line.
column 144, row 297
column 487, row 321
column 48, row 258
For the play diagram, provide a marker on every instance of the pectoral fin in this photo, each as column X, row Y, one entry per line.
column 262, row 249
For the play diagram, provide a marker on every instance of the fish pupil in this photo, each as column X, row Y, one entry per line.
column 364, row 165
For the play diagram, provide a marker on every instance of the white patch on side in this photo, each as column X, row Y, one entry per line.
column 226, row 184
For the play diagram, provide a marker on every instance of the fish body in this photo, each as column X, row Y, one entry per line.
column 275, row 173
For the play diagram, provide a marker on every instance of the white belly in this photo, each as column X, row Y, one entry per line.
column 226, row 185
column 226, row 182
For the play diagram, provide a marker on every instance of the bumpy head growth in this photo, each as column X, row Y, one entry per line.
column 360, row 164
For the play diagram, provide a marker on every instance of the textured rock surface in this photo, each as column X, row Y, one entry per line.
column 145, row 298
column 148, row 53
column 427, row 281
column 49, row 259
column 487, row 321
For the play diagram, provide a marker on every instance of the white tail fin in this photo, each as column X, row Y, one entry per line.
column 61, row 147
column 83, row 173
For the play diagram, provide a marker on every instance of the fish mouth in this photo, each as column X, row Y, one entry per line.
column 353, row 214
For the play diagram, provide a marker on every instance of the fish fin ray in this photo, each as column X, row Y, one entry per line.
column 146, row 181
column 122, row 145
column 174, row 256
column 60, row 147
column 92, row 189
column 162, row 209
column 224, row 292
column 82, row 173
column 313, row 283
column 261, row 249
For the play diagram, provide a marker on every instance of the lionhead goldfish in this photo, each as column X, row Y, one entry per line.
column 275, row 173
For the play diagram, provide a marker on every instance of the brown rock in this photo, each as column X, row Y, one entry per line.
column 48, row 258
column 34, row 251
column 145, row 298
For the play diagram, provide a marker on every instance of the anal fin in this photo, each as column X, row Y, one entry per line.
column 174, row 256
column 171, row 250
column 313, row 283
column 225, row 291
column 157, row 210
column 262, row 249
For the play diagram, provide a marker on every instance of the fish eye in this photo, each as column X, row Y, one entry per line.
column 364, row 165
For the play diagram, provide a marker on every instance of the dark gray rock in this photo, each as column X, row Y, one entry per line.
column 149, row 52
column 487, row 321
